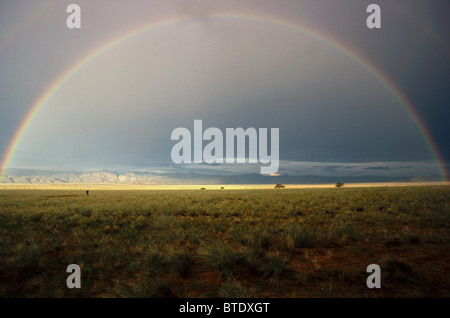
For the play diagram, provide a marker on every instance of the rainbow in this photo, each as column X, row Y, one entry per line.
column 74, row 68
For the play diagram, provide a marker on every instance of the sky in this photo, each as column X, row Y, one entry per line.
column 346, row 99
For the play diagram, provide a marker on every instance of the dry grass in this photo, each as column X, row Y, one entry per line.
column 314, row 242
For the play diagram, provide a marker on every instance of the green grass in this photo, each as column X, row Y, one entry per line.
column 220, row 256
column 183, row 243
column 300, row 235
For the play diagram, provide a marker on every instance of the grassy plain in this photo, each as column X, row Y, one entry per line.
column 293, row 242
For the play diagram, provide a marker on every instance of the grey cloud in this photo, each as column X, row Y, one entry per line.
column 120, row 108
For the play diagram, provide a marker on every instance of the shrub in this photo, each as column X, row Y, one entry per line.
column 301, row 235
column 220, row 256
column 155, row 259
column 140, row 222
column 275, row 264
column 180, row 262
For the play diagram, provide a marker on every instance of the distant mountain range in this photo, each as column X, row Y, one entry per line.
column 154, row 178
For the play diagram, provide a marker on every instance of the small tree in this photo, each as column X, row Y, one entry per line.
column 339, row 185
column 280, row 186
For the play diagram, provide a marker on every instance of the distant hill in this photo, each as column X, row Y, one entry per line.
column 153, row 178
column 422, row 179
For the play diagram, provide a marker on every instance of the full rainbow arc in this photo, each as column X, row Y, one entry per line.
column 79, row 64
